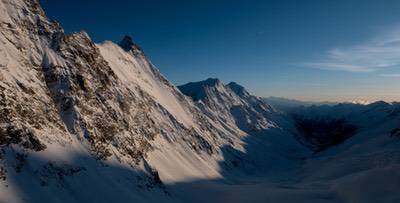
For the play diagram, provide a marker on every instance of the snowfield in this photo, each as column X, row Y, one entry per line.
column 86, row 122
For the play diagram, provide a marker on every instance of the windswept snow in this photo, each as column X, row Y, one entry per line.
column 138, row 71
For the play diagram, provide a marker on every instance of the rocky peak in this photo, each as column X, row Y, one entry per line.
column 211, row 82
column 129, row 45
column 238, row 89
column 230, row 103
column 198, row 90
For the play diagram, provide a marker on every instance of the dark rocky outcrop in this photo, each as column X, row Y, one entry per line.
column 320, row 134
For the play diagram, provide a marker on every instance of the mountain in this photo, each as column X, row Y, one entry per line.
column 229, row 103
column 234, row 106
column 354, row 146
column 93, row 120
column 286, row 104
column 97, row 122
column 73, row 111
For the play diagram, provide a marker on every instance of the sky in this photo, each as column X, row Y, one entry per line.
column 315, row 50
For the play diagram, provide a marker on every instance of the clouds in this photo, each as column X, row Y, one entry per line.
column 390, row 75
column 377, row 54
column 338, row 67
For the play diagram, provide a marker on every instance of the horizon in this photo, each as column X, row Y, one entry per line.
column 311, row 51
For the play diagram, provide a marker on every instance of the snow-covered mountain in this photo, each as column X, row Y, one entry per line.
column 87, row 122
column 355, row 145
column 230, row 103
column 271, row 145
column 73, row 111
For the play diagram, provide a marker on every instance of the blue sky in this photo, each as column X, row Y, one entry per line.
column 311, row 50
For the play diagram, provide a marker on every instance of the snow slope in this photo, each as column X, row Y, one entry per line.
column 364, row 168
column 71, row 108
column 138, row 71
column 86, row 122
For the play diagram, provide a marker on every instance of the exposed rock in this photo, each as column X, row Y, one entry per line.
column 129, row 46
column 319, row 134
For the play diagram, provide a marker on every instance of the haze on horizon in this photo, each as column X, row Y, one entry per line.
column 310, row 50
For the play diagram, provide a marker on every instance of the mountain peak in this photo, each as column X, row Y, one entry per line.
column 126, row 43
column 129, row 45
column 211, row 82
column 379, row 103
column 81, row 35
column 197, row 90
column 238, row 89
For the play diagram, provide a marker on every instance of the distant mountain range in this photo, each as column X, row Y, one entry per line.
column 285, row 103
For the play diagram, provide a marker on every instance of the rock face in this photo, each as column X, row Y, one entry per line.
column 128, row 45
column 320, row 134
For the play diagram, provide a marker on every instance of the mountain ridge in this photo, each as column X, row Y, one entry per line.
column 87, row 122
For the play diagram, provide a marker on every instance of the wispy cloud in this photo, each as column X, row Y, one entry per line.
column 375, row 54
column 390, row 75
column 338, row 67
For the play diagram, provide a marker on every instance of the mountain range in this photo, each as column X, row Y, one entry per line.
column 97, row 122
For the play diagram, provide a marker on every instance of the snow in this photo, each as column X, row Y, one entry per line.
column 361, row 102
column 137, row 71
column 254, row 156
column 177, row 164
